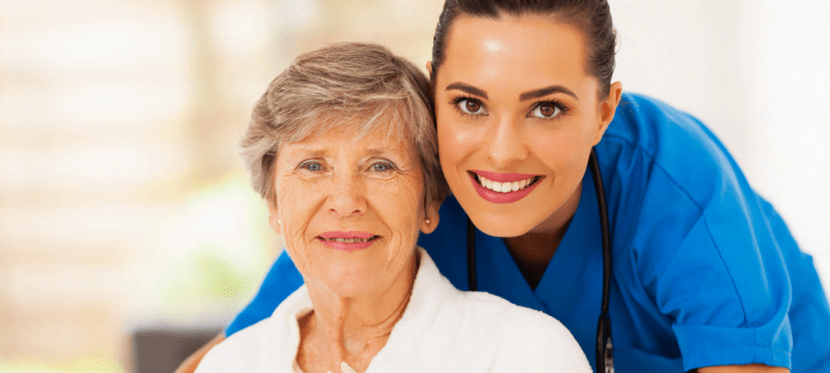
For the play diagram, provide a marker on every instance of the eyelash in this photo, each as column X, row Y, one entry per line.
column 457, row 100
column 552, row 102
column 390, row 166
column 304, row 165
column 563, row 110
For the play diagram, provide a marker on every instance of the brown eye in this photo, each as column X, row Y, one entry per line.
column 471, row 106
column 545, row 110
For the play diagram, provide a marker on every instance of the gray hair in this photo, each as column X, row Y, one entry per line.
column 339, row 85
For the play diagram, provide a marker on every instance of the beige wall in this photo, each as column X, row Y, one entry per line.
column 123, row 203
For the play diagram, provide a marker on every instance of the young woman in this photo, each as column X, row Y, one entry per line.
column 703, row 273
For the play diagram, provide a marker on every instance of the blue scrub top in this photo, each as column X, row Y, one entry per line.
column 705, row 272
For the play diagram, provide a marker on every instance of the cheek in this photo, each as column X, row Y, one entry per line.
column 456, row 142
column 566, row 155
column 399, row 204
column 295, row 198
column 448, row 135
column 297, row 203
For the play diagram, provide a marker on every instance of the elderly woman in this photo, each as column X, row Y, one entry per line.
column 342, row 146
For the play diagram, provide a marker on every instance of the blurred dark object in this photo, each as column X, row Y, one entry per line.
column 161, row 351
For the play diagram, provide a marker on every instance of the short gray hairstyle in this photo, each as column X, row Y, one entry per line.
column 338, row 85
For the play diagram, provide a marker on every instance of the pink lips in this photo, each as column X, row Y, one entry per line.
column 328, row 239
column 496, row 197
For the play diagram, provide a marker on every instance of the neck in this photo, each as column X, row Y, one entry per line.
column 352, row 329
column 534, row 250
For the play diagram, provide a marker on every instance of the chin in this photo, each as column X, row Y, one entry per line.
column 348, row 287
column 502, row 226
column 347, row 280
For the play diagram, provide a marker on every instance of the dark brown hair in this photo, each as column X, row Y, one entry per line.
column 592, row 17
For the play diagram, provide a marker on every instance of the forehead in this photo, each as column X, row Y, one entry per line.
column 517, row 48
column 381, row 137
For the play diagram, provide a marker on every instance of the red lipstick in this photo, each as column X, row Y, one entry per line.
column 347, row 241
column 508, row 197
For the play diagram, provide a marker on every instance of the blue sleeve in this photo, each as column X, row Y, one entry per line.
column 705, row 251
column 810, row 312
column 282, row 280
column 728, row 290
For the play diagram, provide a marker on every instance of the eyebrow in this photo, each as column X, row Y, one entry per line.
column 467, row 88
column 542, row 92
column 374, row 152
column 307, row 153
column 322, row 153
column 536, row 93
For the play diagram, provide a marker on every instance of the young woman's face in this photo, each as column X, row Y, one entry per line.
column 517, row 116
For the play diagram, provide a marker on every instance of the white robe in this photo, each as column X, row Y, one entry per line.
column 442, row 329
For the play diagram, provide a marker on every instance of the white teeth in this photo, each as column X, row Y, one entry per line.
column 504, row 187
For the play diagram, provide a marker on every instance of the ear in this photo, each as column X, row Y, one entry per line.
column 607, row 108
column 274, row 217
column 432, row 217
column 429, row 69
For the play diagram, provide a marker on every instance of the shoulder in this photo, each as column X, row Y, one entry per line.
column 506, row 318
column 654, row 156
column 270, row 344
column 240, row 352
column 652, row 142
column 282, row 279
column 522, row 339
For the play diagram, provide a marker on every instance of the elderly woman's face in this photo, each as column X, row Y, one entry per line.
column 350, row 209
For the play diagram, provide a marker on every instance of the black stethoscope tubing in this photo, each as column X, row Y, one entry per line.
column 604, row 355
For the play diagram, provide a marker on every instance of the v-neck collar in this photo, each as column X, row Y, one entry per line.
column 499, row 274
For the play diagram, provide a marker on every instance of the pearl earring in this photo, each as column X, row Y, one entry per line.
column 427, row 221
column 279, row 222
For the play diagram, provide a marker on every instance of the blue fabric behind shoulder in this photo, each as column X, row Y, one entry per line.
column 282, row 280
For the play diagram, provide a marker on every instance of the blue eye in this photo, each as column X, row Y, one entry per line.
column 381, row 167
column 312, row 166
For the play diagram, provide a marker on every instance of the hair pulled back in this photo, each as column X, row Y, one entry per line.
column 592, row 17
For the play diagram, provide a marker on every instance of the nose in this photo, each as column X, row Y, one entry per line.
column 506, row 144
column 348, row 195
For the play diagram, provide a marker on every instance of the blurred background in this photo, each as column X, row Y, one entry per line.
column 126, row 219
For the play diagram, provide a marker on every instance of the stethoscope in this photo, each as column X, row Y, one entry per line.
column 604, row 347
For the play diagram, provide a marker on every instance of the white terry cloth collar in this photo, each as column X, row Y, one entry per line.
column 430, row 289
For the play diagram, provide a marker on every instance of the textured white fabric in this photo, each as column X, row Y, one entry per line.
column 442, row 330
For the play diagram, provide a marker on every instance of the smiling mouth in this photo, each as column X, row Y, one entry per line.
column 349, row 240
column 506, row 187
